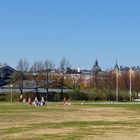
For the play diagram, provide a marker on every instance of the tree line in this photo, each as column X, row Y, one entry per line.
column 107, row 84
column 39, row 73
column 99, row 86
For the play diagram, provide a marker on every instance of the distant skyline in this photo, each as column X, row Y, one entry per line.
column 80, row 30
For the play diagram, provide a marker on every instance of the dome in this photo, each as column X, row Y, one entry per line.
column 96, row 68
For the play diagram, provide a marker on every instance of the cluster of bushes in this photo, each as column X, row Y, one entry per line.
column 99, row 95
column 93, row 95
column 89, row 95
column 7, row 97
column 15, row 96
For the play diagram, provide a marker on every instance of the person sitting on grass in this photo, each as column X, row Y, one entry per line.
column 42, row 101
column 35, row 102
column 66, row 102
column 39, row 103
column 29, row 101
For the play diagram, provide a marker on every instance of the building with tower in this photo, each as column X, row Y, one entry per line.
column 96, row 68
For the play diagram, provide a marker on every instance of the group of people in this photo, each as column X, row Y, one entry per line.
column 39, row 103
column 35, row 102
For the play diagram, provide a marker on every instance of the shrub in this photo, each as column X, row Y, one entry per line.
column 2, row 98
column 78, row 95
column 124, row 95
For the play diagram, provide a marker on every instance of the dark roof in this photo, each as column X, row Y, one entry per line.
column 40, row 90
column 72, row 71
column 7, row 67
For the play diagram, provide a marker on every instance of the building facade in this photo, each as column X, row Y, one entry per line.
column 5, row 75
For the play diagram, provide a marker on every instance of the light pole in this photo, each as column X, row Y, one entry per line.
column 117, row 85
column 11, row 93
column 73, row 78
column 130, row 79
column 117, row 80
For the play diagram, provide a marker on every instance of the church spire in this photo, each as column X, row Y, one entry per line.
column 96, row 63
column 116, row 66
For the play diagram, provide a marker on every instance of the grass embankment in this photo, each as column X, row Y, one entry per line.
column 75, row 122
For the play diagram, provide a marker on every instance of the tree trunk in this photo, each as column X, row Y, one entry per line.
column 36, row 90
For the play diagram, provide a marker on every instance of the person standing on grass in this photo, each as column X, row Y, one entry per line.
column 21, row 98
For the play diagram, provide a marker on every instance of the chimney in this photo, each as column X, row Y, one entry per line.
column 78, row 69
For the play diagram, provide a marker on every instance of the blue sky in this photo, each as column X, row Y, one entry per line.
column 80, row 30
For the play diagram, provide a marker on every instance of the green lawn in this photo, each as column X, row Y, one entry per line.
column 76, row 122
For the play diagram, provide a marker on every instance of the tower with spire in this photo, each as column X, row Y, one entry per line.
column 116, row 68
column 96, row 68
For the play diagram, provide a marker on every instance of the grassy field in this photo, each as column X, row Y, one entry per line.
column 76, row 122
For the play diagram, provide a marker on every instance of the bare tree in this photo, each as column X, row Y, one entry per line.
column 136, row 83
column 23, row 65
column 37, row 75
column 124, row 80
column 48, row 66
column 106, row 83
column 20, row 75
column 64, row 64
